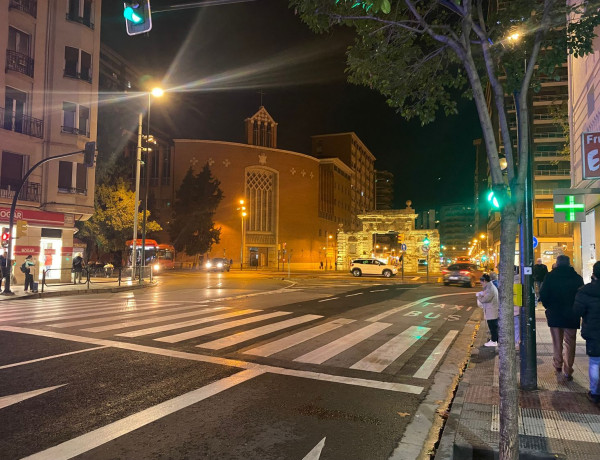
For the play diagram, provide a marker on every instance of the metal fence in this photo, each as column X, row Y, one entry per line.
column 93, row 275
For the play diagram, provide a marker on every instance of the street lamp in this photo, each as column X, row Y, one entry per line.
column 243, row 214
column 156, row 92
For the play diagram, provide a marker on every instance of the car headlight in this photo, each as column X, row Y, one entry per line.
column 156, row 267
column 208, row 265
column 219, row 265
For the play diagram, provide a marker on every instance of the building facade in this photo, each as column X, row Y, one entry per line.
column 49, row 89
column 384, row 190
column 456, row 228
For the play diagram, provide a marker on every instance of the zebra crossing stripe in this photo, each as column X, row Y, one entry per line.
column 322, row 354
column 107, row 319
column 219, row 327
column 156, row 319
column 295, row 339
column 240, row 337
column 193, row 322
column 436, row 356
column 21, row 307
column 386, row 354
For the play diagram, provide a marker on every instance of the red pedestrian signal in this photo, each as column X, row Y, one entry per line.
column 5, row 238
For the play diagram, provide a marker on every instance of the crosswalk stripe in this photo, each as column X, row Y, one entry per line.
column 322, row 354
column 47, row 311
column 22, row 306
column 436, row 356
column 219, row 327
column 155, row 319
column 386, row 354
column 240, row 337
column 194, row 322
column 107, row 319
column 276, row 346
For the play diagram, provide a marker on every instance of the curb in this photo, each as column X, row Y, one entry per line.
column 41, row 295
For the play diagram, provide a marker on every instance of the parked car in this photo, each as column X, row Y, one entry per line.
column 217, row 265
column 465, row 274
column 462, row 260
column 359, row 267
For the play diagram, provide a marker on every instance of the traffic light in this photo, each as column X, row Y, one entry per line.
column 138, row 19
column 21, row 228
column 493, row 200
column 426, row 241
column 5, row 238
column 89, row 154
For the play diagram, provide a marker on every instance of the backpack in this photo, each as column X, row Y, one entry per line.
column 24, row 268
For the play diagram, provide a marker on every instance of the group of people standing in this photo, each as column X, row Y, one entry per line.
column 569, row 306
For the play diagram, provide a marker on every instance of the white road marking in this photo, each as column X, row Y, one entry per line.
column 9, row 400
column 415, row 278
column 219, row 327
column 436, row 356
column 297, row 338
column 154, row 319
column 328, row 299
column 100, row 436
column 387, row 313
column 328, row 351
column 352, row 295
column 379, row 290
column 389, row 386
column 380, row 359
column 315, row 452
column 23, row 363
column 240, row 337
column 194, row 322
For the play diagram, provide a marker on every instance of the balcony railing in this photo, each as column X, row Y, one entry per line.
column 30, row 191
column 85, row 75
column 73, row 130
column 552, row 172
column 81, row 20
column 19, row 62
column 21, row 123
column 27, row 6
column 74, row 190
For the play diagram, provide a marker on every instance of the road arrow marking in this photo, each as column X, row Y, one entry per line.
column 315, row 453
column 9, row 400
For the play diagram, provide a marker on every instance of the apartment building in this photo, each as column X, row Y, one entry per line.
column 384, row 189
column 49, row 91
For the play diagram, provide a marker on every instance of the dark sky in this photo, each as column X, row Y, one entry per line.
column 220, row 57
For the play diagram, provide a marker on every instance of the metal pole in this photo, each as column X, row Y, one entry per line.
column 528, row 380
column 242, row 247
column 427, row 264
column 136, row 206
column 147, row 170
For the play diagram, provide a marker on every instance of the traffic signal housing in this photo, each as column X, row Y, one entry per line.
column 138, row 17
column 426, row 240
column 5, row 238
column 493, row 200
column 21, row 228
column 89, row 154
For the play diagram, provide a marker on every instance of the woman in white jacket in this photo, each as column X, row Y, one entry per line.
column 488, row 298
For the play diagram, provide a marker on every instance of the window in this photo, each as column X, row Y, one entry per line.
column 78, row 64
column 81, row 178
column 72, row 179
column 17, row 53
column 166, row 168
column 81, row 11
column 260, row 191
column 71, row 61
column 12, row 168
column 84, row 121
column 69, row 111
column 86, row 66
column 18, row 41
column 14, row 109
column 76, row 119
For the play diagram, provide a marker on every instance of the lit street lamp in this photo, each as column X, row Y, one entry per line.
column 243, row 214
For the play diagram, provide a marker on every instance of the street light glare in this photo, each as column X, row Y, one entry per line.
column 241, row 201
column 157, row 92
column 514, row 36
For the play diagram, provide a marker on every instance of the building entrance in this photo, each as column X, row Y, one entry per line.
column 259, row 257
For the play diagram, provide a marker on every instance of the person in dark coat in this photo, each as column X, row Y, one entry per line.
column 587, row 305
column 539, row 274
column 558, row 295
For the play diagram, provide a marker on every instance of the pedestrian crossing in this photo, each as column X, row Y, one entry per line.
column 369, row 344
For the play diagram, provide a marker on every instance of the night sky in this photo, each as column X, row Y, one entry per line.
column 219, row 58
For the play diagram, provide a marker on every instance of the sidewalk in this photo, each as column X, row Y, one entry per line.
column 98, row 287
column 556, row 421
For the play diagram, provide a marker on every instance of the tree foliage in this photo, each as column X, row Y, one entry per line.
column 193, row 230
column 111, row 225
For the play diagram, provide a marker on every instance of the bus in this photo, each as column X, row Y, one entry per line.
column 160, row 256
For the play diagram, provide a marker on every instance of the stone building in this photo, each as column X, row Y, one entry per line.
column 385, row 234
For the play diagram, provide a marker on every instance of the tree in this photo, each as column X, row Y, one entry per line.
column 193, row 230
column 421, row 54
column 112, row 222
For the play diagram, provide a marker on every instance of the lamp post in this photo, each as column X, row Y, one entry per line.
column 332, row 251
column 156, row 92
column 243, row 214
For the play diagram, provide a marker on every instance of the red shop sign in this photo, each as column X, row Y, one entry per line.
column 26, row 250
column 34, row 217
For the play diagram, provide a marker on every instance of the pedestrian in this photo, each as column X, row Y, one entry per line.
column 77, row 268
column 3, row 270
column 539, row 274
column 587, row 305
column 558, row 295
column 321, row 265
column 487, row 298
column 26, row 269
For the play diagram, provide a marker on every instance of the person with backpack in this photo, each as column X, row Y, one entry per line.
column 26, row 269
column 77, row 268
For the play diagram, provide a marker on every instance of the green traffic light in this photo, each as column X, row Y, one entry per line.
column 426, row 240
column 130, row 14
column 493, row 200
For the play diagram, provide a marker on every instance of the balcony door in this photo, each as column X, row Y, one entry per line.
column 12, row 168
column 14, row 107
column 18, row 41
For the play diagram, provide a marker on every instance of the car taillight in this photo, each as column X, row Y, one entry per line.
column 464, row 272
column 445, row 271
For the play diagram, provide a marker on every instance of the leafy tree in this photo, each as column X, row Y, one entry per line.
column 112, row 222
column 421, row 53
column 193, row 229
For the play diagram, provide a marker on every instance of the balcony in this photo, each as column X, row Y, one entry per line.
column 72, row 190
column 86, row 21
column 73, row 130
column 552, row 173
column 19, row 62
column 30, row 191
column 26, row 6
column 23, row 124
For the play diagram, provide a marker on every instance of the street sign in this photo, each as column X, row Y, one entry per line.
column 569, row 208
column 590, row 153
column 403, row 247
column 535, row 242
column 425, row 248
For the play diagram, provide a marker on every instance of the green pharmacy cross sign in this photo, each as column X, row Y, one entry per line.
column 569, row 208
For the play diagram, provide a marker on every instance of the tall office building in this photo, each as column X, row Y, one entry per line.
column 384, row 190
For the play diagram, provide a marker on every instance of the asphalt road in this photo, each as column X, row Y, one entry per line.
column 224, row 366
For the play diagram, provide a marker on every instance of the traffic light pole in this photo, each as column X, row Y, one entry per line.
column 13, row 207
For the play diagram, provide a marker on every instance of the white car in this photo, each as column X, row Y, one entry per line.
column 359, row 267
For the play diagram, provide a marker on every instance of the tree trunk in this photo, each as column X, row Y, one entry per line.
column 509, row 392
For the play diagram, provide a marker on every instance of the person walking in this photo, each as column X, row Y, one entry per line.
column 539, row 274
column 488, row 298
column 77, row 268
column 3, row 270
column 587, row 305
column 558, row 295
column 26, row 269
